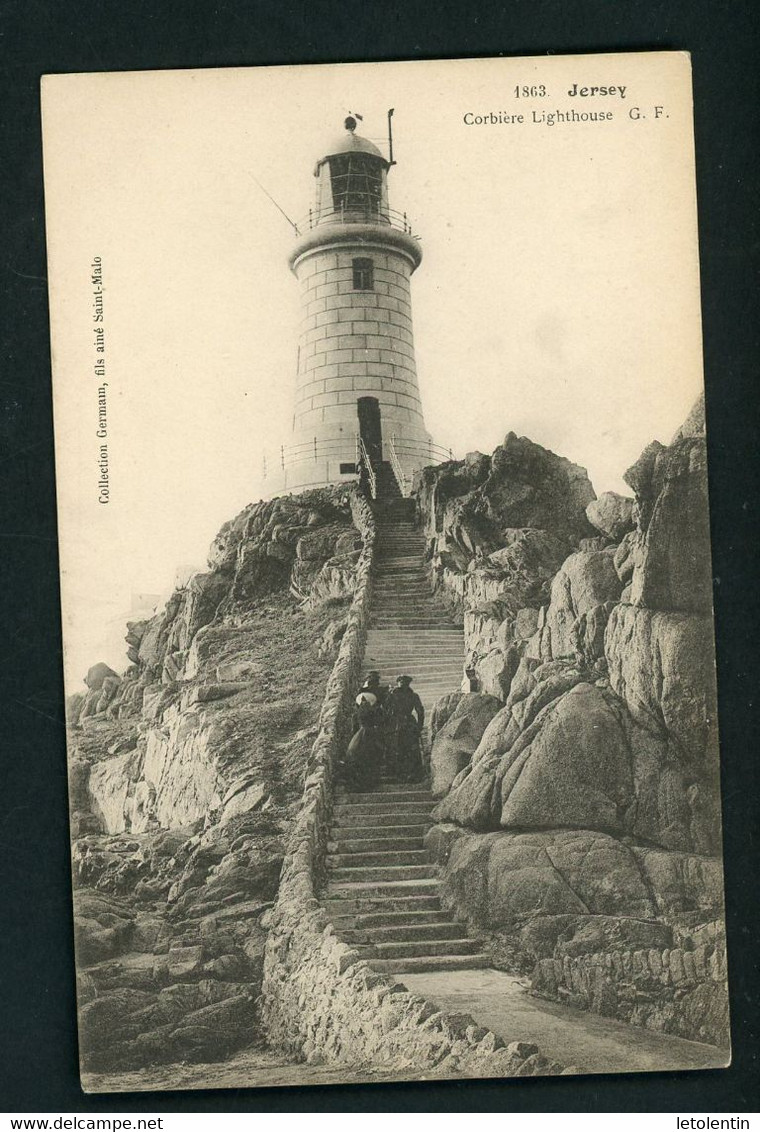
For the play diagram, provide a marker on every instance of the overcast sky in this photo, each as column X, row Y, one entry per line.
column 557, row 297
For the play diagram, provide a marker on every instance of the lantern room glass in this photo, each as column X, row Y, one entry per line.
column 357, row 184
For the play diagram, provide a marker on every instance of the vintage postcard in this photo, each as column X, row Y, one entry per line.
column 385, row 572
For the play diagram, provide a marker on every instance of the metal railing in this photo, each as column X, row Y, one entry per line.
column 367, row 215
column 313, row 449
column 409, row 456
column 406, row 457
column 363, row 462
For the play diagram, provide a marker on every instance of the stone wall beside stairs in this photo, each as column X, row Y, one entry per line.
column 677, row 991
column 320, row 999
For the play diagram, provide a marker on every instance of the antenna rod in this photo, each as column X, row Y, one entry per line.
column 390, row 139
column 292, row 223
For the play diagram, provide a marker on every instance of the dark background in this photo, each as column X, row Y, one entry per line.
column 38, row 1060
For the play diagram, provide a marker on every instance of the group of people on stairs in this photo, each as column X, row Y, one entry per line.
column 387, row 726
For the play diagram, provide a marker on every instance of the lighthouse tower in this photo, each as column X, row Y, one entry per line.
column 357, row 404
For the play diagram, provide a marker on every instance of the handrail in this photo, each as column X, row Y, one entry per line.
column 422, row 456
column 406, row 456
column 429, row 452
column 398, row 471
column 363, row 461
column 368, row 215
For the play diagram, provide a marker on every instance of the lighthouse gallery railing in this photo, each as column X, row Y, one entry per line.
column 355, row 215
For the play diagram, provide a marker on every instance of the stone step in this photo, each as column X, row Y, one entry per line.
column 405, row 920
column 401, row 933
column 385, row 796
column 390, row 658
column 390, row 620
column 417, row 641
column 340, row 835
column 389, row 844
column 414, row 949
column 431, row 671
column 344, row 809
column 367, row 874
column 385, row 909
column 404, row 537
column 385, row 584
column 429, row 963
column 368, row 818
column 433, row 677
column 379, row 859
column 390, row 785
column 389, row 661
column 447, row 636
column 363, row 890
column 407, row 601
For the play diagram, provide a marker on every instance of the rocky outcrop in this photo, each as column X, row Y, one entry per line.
column 612, row 514
column 467, row 505
column 499, row 527
column 455, row 740
column 605, row 751
column 183, row 778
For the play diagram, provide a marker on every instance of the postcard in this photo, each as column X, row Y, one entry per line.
column 386, row 575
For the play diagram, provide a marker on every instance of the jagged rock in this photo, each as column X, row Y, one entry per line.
column 97, row 674
column 111, row 785
column 543, row 936
column 672, row 567
column 495, row 670
column 694, row 425
column 74, row 704
column 456, row 740
column 661, row 665
column 443, row 708
column 469, row 504
column 79, row 773
column 587, row 580
column 102, row 926
column 330, row 641
column 503, row 880
column 566, row 752
column 612, row 514
column 211, row 1033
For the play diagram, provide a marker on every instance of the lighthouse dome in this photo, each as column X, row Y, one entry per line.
column 349, row 142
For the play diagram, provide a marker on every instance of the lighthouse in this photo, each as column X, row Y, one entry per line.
column 357, row 410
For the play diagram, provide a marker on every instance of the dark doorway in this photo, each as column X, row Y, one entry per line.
column 370, row 429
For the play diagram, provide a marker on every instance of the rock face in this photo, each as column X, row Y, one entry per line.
column 672, row 566
column 604, row 756
column 184, row 773
column 455, row 741
column 468, row 504
column 612, row 514
column 499, row 527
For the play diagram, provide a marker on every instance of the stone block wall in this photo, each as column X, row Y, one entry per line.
column 678, row 991
column 319, row 999
column 355, row 342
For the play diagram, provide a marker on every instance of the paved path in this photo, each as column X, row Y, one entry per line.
column 563, row 1033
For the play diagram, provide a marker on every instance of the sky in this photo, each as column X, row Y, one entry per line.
column 558, row 295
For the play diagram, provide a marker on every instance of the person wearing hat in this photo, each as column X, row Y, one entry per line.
column 407, row 717
column 365, row 752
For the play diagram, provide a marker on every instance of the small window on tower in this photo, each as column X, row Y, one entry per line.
column 363, row 275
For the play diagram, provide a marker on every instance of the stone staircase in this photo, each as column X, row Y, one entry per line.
column 410, row 631
column 383, row 892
